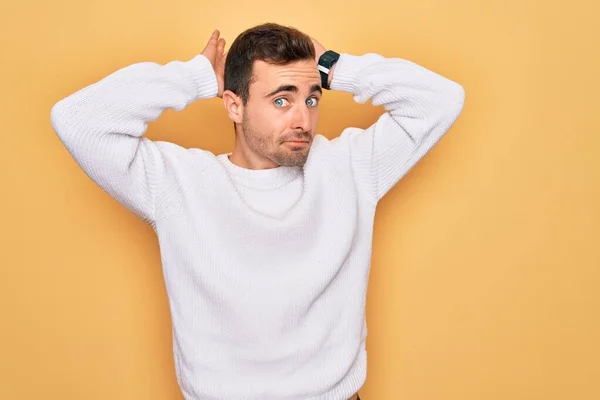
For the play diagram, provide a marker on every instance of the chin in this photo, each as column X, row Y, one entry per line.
column 292, row 158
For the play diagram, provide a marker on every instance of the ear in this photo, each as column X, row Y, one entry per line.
column 234, row 106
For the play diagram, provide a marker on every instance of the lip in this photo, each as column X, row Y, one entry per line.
column 299, row 143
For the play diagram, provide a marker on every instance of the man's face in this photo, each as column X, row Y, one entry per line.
column 281, row 115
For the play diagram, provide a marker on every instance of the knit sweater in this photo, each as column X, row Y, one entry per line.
column 266, row 270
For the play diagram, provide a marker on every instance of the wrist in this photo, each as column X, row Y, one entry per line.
column 326, row 64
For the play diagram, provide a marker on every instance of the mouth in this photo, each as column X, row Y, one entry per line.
column 296, row 143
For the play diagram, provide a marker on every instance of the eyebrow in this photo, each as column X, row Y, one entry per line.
column 294, row 89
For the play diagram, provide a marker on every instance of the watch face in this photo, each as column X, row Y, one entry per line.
column 327, row 58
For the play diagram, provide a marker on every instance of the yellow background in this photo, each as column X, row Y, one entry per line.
column 485, row 272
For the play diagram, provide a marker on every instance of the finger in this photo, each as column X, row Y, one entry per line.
column 213, row 38
column 211, row 47
column 221, row 46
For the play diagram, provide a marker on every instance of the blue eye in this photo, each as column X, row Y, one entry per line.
column 280, row 102
column 315, row 101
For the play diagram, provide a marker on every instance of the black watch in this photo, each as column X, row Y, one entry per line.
column 325, row 63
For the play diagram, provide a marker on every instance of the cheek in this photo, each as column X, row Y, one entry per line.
column 274, row 122
column 267, row 122
column 314, row 119
column 315, row 115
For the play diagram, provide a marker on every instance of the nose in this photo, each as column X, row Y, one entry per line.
column 301, row 119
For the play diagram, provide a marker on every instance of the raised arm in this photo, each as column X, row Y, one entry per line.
column 420, row 105
column 102, row 125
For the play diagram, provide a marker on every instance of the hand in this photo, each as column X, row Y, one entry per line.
column 319, row 50
column 214, row 51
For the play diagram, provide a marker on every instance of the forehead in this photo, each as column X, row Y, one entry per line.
column 303, row 74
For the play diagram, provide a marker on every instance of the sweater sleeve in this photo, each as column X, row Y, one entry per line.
column 420, row 105
column 102, row 125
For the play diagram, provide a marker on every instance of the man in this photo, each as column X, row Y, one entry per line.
column 265, row 250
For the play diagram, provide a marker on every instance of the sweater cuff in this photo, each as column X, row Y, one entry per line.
column 203, row 75
column 347, row 71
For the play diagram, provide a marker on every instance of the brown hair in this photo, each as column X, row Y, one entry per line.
column 269, row 42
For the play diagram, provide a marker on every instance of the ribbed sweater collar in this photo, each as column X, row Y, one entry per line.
column 260, row 178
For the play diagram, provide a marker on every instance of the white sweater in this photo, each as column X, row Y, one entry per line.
column 266, row 270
